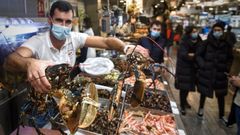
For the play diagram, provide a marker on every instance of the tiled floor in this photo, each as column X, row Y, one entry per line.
column 210, row 124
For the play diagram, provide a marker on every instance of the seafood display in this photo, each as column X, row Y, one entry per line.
column 157, row 100
column 78, row 100
column 147, row 124
column 102, row 125
column 104, row 93
column 153, row 99
column 149, row 83
column 81, row 104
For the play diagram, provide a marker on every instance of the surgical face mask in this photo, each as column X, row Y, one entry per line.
column 60, row 32
column 194, row 35
column 217, row 34
column 155, row 34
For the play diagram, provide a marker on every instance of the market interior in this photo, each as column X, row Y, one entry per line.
column 113, row 92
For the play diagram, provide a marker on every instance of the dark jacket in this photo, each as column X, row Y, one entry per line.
column 155, row 52
column 214, row 58
column 186, row 68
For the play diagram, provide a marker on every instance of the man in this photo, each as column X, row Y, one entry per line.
column 214, row 58
column 154, row 42
column 57, row 46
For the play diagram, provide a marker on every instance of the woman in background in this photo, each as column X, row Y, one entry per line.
column 186, row 68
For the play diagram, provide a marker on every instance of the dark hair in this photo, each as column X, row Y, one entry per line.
column 63, row 6
column 219, row 24
column 229, row 28
column 156, row 23
column 88, row 23
column 189, row 29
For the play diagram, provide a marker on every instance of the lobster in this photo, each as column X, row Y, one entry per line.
column 70, row 92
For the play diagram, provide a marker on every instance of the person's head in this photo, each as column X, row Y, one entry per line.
column 87, row 23
column 160, row 18
column 218, row 29
column 132, row 20
column 60, row 19
column 155, row 29
column 192, row 32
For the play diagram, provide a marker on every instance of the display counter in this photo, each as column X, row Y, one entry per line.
column 119, row 108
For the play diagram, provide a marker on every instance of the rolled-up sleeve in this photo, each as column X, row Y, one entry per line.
column 34, row 44
column 79, row 39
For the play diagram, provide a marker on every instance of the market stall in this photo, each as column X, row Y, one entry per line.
column 132, row 98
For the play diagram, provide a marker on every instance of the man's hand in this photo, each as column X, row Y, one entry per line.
column 36, row 74
column 235, row 81
column 139, row 49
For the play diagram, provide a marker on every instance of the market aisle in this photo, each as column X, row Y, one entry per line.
column 210, row 124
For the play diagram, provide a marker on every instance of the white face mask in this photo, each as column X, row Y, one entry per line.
column 60, row 32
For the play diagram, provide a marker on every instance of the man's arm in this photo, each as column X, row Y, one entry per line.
column 18, row 60
column 112, row 44
column 105, row 43
column 21, row 60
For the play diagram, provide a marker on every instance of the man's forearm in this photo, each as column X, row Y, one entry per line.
column 115, row 44
column 15, row 62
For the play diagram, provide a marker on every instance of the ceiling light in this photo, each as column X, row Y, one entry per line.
column 211, row 9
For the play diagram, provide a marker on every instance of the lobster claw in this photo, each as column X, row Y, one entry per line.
column 89, row 107
column 138, row 89
column 138, row 93
column 70, row 113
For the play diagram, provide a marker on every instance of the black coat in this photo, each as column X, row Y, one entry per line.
column 155, row 51
column 214, row 58
column 186, row 68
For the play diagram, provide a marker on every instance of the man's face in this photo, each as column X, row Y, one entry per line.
column 62, row 18
column 156, row 28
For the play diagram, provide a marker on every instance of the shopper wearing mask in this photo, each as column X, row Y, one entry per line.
column 57, row 46
column 154, row 42
column 186, row 68
column 214, row 58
